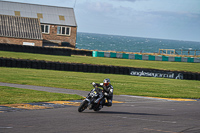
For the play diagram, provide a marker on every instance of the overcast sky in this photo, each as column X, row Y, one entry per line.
column 164, row 19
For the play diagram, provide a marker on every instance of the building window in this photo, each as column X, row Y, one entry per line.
column 39, row 15
column 62, row 18
column 45, row 28
column 61, row 30
column 17, row 13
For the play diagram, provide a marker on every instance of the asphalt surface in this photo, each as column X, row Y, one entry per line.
column 136, row 115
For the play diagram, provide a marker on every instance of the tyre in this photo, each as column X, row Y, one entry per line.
column 83, row 106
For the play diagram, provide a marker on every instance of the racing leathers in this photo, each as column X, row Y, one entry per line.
column 107, row 93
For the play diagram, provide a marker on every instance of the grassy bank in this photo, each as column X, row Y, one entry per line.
column 11, row 95
column 123, row 84
column 162, row 65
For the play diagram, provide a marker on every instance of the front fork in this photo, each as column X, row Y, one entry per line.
column 89, row 102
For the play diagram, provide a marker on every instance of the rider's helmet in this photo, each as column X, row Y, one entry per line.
column 106, row 82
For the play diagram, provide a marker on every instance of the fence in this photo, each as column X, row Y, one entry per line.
column 145, row 57
column 180, row 51
column 78, row 67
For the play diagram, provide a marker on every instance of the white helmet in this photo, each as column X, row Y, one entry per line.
column 106, row 82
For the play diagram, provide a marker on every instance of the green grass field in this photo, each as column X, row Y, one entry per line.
column 11, row 95
column 123, row 84
column 162, row 65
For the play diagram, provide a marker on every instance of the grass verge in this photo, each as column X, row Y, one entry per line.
column 123, row 84
column 162, row 65
column 11, row 95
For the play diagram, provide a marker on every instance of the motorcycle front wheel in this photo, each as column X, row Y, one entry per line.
column 83, row 106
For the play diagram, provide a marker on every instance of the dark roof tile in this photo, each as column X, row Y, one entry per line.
column 20, row 27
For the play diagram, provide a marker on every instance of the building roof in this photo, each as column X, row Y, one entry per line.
column 20, row 27
column 46, row 14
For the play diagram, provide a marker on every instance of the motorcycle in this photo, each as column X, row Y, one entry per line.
column 89, row 101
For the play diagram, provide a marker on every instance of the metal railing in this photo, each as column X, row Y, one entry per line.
column 175, row 51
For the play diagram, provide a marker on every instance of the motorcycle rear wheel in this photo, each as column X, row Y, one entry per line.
column 83, row 106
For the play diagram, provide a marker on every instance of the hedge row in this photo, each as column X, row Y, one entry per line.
column 39, row 64
column 35, row 49
column 44, row 50
column 81, row 52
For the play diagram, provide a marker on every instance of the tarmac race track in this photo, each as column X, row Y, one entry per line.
column 135, row 115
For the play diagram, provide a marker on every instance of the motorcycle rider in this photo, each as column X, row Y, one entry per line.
column 107, row 91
